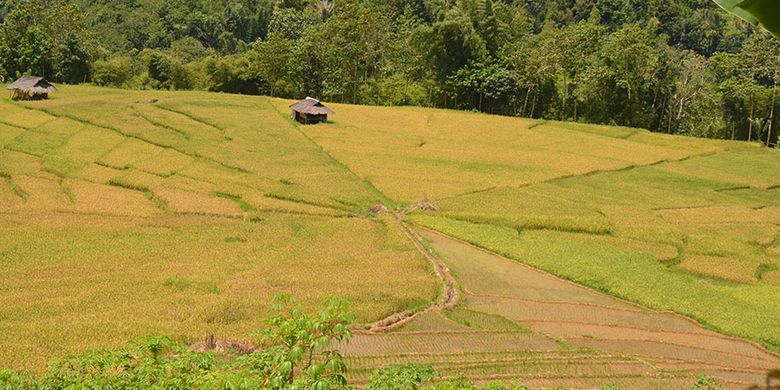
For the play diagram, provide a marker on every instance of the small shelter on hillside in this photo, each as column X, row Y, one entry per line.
column 30, row 88
column 309, row 111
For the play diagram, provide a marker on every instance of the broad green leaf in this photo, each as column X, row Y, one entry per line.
column 764, row 13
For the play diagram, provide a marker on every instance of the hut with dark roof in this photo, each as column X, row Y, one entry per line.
column 310, row 110
column 30, row 88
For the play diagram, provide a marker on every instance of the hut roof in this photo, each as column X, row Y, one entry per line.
column 32, row 85
column 311, row 106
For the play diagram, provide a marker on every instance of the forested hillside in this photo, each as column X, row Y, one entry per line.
column 674, row 66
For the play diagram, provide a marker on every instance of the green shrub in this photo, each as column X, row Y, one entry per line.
column 113, row 72
column 402, row 377
column 706, row 382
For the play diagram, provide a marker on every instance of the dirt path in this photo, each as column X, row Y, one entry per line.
column 566, row 334
column 448, row 298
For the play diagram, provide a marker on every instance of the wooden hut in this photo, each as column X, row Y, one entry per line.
column 310, row 110
column 31, row 88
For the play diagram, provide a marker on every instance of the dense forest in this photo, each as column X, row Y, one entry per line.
column 674, row 66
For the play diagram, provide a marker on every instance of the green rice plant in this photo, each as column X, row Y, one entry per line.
column 244, row 205
column 745, row 167
column 156, row 200
column 37, row 143
column 764, row 268
column 538, row 207
column 8, row 133
column 65, row 188
column 662, row 252
column 18, row 191
column 479, row 320
column 61, row 166
column 123, row 183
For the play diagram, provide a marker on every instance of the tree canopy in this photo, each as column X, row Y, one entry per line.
column 682, row 67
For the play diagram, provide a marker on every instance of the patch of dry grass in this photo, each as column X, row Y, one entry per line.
column 74, row 282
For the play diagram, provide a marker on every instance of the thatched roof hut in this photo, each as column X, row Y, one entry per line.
column 31, row 87
column 310, row 110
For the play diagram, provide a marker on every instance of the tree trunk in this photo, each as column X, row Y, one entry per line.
column 533, row 104
column 771, row 114
column 575, row 110
column 655, row 97
column 750, row 125
column 525, row 102
column 671, row 107
column 354, row 87
column 565, row 93
column 680, row 111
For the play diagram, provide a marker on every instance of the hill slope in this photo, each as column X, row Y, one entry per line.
column 126, row 213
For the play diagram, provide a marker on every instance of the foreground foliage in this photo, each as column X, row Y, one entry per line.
column 298, row 352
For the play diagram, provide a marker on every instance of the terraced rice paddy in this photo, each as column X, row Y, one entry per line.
column 114, row 225
column 533, row 328
column 128, row 213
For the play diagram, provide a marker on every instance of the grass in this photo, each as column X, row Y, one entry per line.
column 764, row 268
column 123, row 218
column 244, row 205
column 18, row 191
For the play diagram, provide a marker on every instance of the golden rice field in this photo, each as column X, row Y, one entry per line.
column 128, row 213
column 115, row 225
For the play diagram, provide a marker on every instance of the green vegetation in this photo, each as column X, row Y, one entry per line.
column 759, row 12
column 297, row 353
column 682, row 67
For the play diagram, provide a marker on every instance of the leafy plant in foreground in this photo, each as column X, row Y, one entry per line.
column 300, row 349
column 297, row 352
column 706, row 382
column 407, row 376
